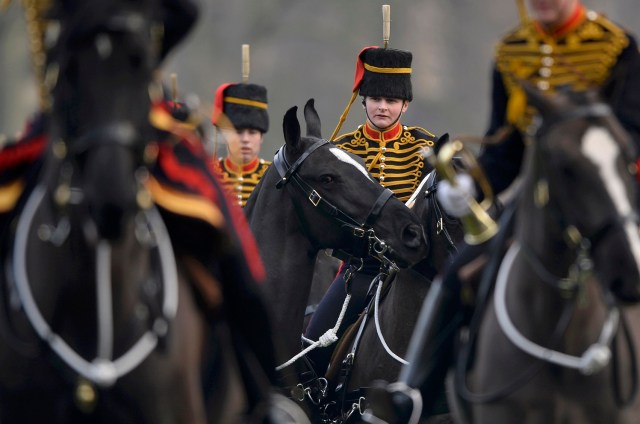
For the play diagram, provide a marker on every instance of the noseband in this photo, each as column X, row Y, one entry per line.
column 365, row 241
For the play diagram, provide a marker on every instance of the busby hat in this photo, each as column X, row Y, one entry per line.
column 245, row 105
column 384, row 72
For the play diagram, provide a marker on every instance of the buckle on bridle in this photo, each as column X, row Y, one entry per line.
column 314, row 198
column 359, row 231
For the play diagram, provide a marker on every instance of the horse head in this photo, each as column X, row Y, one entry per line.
column 346, row 209
column 584, row 176
column 100, row 124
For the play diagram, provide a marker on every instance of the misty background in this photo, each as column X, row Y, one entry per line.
column 307, row 48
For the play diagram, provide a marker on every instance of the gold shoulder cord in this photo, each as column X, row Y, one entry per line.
column 35, row 12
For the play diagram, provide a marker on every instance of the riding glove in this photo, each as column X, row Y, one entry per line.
column 455, row 198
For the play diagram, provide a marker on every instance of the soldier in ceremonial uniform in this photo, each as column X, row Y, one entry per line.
column 393, row 155
column 392, row 151
column 245, row 108
column 565, row 45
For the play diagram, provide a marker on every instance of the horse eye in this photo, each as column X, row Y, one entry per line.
column 326, row 179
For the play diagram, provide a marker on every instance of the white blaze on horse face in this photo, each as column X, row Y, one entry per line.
column 344, row 157
column 599, row 146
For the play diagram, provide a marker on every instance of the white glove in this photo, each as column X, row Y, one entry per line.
column 455, row 198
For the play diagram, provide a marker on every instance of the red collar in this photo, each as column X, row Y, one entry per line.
column 241, row 169
column 576, row 18
column 382, row 136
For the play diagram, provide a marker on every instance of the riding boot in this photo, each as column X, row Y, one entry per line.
column 326, row 316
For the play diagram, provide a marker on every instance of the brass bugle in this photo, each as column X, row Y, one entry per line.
column 478, row 225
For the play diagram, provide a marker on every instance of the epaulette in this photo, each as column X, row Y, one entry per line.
column 415, row 128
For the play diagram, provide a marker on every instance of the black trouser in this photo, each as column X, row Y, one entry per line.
column 326, row 316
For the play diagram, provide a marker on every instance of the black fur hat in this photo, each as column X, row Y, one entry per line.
column 244, row 104
column 384, row 73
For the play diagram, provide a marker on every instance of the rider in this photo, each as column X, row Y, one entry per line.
column 392, row 153
column 565, row 44
column 245, row 107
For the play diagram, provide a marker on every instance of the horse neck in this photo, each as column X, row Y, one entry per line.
column 275, row 225
column 397, row 312
column 288, row 256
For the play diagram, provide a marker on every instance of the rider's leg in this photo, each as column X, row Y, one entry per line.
column 326, row 316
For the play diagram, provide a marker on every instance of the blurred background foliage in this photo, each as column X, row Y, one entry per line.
column 307, row 48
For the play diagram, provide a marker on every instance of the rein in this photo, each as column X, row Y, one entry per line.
column 599, row 354
column 103, row 370
column 594, row 359
column 366, row 243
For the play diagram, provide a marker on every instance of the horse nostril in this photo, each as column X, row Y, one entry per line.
column 413, row 235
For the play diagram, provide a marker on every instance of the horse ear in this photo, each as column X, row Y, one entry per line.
column 312, row 119
column 441, row 141
column 291, row 127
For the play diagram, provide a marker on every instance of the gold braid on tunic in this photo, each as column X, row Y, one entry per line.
column 580, row 57
column 393, row 157
column 240, row 180
column 35, row 12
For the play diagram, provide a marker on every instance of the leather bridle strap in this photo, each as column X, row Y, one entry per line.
column 280, row 161
column 375, row 211
column 288, row 174
column 367, row 240
column 121, row 133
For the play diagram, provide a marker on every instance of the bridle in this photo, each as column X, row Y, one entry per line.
column 577, row 242
column 599, row 354
column 364, row 240
column 150, row 232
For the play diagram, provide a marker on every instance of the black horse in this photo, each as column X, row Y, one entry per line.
column 557, row 343
column 316, row 196
column 374, row 350
column 102, row 307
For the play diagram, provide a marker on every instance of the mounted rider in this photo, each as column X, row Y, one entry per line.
column 392, row 153
column 240, row 114
column 566, row 45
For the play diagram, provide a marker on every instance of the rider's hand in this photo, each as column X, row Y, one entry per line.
column 455, row 198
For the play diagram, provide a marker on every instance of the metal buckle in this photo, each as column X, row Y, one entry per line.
column 314, row 198
column 359, row 231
